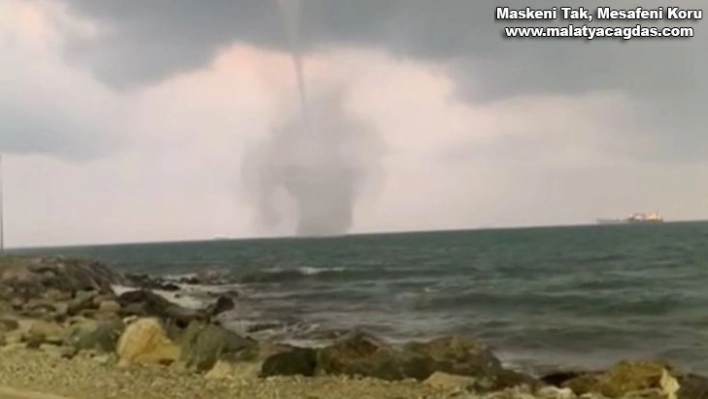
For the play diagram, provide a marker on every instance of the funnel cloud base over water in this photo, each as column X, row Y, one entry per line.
column 313, row 167
column 308, row 176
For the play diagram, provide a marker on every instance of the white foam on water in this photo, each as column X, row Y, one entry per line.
column 313, row 271
column 308, row 343
column 187, row 301
column 121, row 289
column 308, row 270
column 180, row 298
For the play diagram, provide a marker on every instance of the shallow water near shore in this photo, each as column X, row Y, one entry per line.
column 541, row 298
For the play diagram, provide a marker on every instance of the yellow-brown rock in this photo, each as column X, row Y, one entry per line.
column 145, row 342
column 629, row 378
column 39, row 332
column 109, row 306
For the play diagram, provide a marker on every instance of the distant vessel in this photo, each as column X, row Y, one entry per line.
column 635, row 218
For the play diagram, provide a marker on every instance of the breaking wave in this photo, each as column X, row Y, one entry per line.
column 280, row 275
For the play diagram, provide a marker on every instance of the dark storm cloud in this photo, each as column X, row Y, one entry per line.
column 39, row 115
column 24, row 130
column 156, row 38
column 145, row 41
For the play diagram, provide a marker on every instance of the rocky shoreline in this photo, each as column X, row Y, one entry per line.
column 64, row 330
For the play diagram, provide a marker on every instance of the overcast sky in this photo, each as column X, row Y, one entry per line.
column 133, row 120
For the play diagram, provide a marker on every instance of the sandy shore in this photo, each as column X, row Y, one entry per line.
column 13, row 393
column 86, row 378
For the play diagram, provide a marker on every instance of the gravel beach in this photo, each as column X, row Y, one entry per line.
column 86, row 378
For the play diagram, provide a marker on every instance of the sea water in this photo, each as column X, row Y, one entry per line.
column 541, row 297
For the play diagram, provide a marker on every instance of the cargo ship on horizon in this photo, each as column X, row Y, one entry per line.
column 635, row 218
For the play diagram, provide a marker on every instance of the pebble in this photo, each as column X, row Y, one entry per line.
column 79, row 378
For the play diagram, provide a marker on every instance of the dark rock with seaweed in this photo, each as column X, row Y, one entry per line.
column 26, row 278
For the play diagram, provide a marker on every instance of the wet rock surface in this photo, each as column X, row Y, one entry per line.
column 297, row 361
column 146, row 303
column 146, row 282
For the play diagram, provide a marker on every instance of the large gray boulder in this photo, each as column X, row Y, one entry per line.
column 456, row 355
column 96, row 335
column 296, row 361
column 365, row 355
column 204, row 344
column 362, row 354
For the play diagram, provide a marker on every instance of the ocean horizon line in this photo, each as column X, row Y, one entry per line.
column 223, row 238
